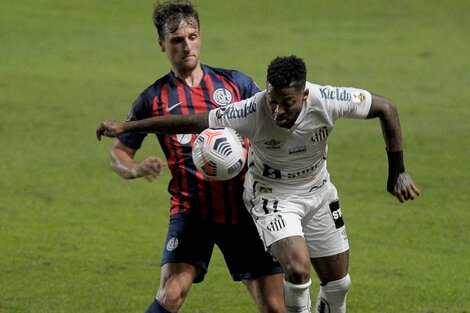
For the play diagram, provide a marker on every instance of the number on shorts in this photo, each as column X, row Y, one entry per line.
column 270, row 206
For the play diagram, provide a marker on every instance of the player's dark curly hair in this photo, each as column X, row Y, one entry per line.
column 168, row 15
column 287, row 71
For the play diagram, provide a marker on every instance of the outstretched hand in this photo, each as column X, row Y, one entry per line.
column 405, row 189
column 109, row 128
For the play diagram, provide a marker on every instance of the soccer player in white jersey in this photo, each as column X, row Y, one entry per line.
column 287, row 187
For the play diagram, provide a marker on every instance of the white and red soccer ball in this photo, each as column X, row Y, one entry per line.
column 219, row 153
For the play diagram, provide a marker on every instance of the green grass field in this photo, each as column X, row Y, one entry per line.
column 74, row 237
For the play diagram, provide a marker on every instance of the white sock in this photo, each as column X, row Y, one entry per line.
column 332, row 296
column 297, row 297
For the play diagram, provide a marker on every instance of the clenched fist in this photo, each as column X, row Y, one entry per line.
column 109, row 128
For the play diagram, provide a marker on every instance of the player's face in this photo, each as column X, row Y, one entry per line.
column 286, row 104
column 182, row 47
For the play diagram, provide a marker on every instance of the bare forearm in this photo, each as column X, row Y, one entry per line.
column 122, row 163
column 171, row 124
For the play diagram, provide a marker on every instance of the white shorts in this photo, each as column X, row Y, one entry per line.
column 315, row 216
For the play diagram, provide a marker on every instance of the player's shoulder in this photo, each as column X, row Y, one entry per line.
column 314, row 90
column 231, row 74
column 155, row 88
column 313, row 86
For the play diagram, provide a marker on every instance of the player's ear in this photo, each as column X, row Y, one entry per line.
column 305, row 95
column 161, row 44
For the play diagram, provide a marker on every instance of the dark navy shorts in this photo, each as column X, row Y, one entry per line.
column 192, row 241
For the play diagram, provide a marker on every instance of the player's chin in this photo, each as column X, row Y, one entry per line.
column 282, row 123
column 189, row 61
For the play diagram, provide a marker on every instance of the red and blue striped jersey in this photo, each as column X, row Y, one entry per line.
column 191, row 192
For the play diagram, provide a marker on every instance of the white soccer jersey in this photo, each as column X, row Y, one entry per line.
column 292, row 160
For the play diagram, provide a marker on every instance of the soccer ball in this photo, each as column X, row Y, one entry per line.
column 219, row 153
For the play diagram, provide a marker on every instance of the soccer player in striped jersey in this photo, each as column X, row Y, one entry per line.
column 287, row 187
column 203, row 212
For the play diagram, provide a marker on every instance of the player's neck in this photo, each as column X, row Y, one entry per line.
column 191, row 78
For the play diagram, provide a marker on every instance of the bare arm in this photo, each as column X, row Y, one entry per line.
column 399, row 183
column 387, row 112
column 122, row 162
column 170, row 124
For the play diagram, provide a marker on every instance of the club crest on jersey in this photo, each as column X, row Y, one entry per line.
column 320, row 134
column 222, row 96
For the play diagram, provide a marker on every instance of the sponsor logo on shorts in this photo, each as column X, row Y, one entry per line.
column 336, row 213
column 276, row 224
column 172, row 244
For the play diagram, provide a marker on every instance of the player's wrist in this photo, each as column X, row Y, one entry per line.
column 396, row 166
column 133, row 172
column 127, row 127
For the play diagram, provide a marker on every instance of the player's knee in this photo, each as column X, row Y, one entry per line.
column 171, row 297
column 297, row 272
column 273, row 305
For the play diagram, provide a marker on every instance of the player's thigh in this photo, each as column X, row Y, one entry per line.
column 324, row 228
column 277, row 216
column 244, row 252
column 188, row 242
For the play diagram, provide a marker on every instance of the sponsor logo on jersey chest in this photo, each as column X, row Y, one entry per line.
column 272, row 144
column 295, row 150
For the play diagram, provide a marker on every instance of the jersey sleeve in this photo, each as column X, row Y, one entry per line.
column 240, row 116
column 345, row 102
column 140, row 109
